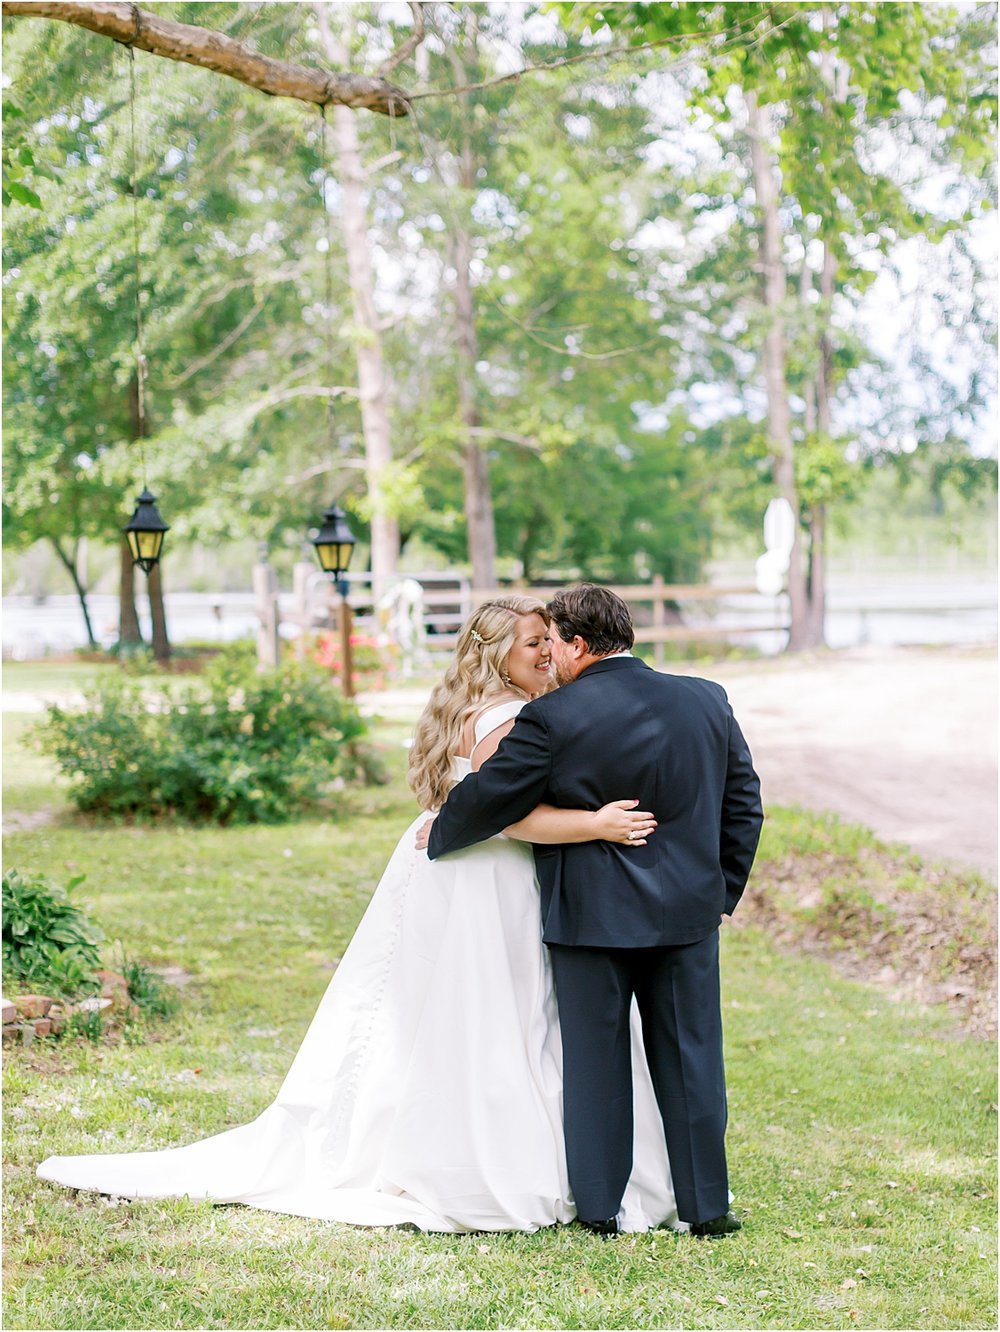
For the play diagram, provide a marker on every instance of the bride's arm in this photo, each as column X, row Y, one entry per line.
column 549, row 824
column 611, row 823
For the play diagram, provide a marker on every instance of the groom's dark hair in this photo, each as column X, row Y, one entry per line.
column 597, row 614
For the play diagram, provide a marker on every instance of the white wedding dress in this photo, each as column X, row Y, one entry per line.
column 428, row 1088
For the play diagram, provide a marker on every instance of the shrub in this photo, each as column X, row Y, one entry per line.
column 371, row 662
column 235, row 746
column 49, row 943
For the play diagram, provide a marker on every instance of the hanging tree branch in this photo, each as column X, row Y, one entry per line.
column 127, row 23
column 409, row 46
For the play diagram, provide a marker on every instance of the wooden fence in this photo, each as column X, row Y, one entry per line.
column 660, row 610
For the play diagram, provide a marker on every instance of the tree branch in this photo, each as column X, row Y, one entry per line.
column 733, row 38
column 409, row 46
column 509, row 437
column 320, row 469
column 193, row 45
column 275, row 398
column 217, row 351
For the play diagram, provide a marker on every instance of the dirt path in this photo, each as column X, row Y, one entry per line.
column 902, row 740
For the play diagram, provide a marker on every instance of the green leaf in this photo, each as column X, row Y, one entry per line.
column 21, row 194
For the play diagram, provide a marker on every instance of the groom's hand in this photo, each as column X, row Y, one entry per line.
column 424, row 834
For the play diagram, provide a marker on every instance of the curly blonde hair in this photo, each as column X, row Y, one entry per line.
column 477, row 672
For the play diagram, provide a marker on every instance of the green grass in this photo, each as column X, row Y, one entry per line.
column 861, row 1138
column 36, row 676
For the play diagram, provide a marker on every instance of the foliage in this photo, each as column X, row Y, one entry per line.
column 148, row 990
column 871, row 105
column 822, row 473
column 373, row 662
column 229, row 295
column 86, row 1025
column 49, row 943
column 614, row 264
column 237, row 746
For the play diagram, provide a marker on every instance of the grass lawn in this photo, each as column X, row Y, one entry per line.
column 862, row 1131
column 42, row 676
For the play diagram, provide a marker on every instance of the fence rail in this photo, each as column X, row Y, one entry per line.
column 659, row 608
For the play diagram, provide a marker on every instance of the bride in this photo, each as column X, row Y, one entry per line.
column 428, row 1088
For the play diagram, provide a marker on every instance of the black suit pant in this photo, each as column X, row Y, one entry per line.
column 677, row 992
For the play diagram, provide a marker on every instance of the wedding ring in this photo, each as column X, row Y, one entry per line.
column 631, row 835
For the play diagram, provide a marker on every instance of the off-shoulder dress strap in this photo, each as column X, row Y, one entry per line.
column 492, row 718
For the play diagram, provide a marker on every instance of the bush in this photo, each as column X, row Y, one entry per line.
column 235, row 746
column 372, row 663
column 49, row 943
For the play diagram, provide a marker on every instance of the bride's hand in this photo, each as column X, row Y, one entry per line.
column 616, row 821
column 424, row 835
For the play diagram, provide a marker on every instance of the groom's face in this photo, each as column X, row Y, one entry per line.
column 565, row 657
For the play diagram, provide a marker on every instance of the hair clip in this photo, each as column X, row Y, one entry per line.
column 477, row 636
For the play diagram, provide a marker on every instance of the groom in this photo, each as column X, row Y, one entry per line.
column 623, row 922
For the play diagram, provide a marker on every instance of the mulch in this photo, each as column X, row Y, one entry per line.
column 927, row 935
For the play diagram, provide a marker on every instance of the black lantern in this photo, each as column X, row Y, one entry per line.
column 145, row 531
column 334, row 544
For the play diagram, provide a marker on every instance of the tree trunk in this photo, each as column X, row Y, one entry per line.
column 816, row 517
column 816, row 581
column 373, row 376
column 129, row 632
column 478, row 495
column 835, row 75
column 157, row 613
column 816, row 586
column 69, row 563
column 775, row 377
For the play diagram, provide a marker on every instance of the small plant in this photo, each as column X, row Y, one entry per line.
column 70, row 975
column 87, row 1025
column 149, row 991
column 49, row 943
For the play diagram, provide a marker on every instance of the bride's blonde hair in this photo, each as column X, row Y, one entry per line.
column 477, row 671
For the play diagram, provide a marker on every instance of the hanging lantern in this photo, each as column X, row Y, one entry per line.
column 334, row 544
column 145, row 531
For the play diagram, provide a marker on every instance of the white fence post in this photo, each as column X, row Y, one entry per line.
column 265, row 587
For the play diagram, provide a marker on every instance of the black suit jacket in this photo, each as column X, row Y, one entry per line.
column 623, row 731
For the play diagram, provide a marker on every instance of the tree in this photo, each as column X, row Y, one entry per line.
column 235, row 383
column 567, row 349
column 289, row 79
column 818, row 97
column 374, row 381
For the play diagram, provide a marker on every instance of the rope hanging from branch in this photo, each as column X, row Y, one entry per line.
column 327, row 279
column 140, row 358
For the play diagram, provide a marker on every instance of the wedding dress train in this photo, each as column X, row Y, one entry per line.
column 428, row 1088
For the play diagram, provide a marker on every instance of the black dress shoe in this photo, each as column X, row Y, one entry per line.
column 606, row 1229
column 719, row 1225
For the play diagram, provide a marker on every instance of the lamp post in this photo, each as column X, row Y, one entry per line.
column 144, row 532
column 334, row 544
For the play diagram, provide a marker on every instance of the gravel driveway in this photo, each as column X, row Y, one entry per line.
column 903, row 740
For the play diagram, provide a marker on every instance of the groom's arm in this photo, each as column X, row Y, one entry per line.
column 742, row 817
column 507, row 787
